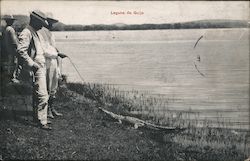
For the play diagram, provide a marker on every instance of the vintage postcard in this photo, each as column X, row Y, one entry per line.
column 124, row 80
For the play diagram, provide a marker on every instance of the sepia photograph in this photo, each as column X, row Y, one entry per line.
column 124, row 80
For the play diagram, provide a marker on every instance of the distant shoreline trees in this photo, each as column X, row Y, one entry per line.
column 185, row 25
column 23, row 21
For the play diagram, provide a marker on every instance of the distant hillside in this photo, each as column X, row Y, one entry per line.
column 184, row 25
column 22, row 21
column 216, row 24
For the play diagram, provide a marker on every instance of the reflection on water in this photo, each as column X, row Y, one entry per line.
column 212, row 76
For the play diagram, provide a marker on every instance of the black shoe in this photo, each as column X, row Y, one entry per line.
column 46, row 127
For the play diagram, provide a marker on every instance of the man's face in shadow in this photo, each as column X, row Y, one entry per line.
column 9, row 22
column 36, row 23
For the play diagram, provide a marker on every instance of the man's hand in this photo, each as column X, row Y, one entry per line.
column 62, row 55
column 35, row 67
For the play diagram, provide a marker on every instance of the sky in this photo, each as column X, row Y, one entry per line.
column 135, row 12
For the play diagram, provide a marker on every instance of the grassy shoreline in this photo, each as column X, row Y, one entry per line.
column 126, row 103
column 86, row 133
column 153, row 108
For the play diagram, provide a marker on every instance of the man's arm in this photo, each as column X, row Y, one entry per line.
column 24, row 42
column 13, row 37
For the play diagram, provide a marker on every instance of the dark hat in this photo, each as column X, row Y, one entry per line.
column 8, row 17
column 39, row 16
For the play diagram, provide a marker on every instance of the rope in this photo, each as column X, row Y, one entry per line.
column 88, row 86
column 72, row 63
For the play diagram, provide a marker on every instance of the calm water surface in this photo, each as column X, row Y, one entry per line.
column 212, row 76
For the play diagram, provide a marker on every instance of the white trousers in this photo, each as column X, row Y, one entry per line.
column 40, row 95
column 52, row 77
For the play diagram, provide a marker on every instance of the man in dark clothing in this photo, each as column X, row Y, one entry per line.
column 9, row 43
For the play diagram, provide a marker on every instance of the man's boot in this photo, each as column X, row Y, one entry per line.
column 53, row 110
column 50, row 114
column 50, row 102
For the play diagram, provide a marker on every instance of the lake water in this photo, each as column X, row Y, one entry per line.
column 213, row 76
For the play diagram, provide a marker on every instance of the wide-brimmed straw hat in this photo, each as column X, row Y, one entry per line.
column 39, row 15
column 8, row 17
